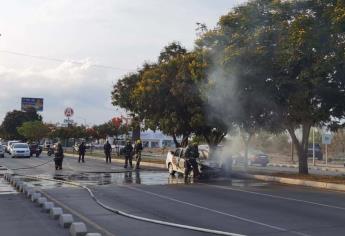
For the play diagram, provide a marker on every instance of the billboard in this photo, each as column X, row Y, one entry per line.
column 36, row 103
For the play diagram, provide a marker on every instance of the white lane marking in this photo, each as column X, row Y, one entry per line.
column 275, row 196
column 216, row 211
column 6, row 188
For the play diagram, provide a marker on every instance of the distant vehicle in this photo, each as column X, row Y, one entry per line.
column 50, row 150
column 35, row 149
column 255, row 157
column 20, row 150
column 47, row 144
column 9, row 145
column 175, row 162
column 258, row 158
column 318, row 151
column 2, row 151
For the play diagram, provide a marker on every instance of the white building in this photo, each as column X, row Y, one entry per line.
column 156, row 139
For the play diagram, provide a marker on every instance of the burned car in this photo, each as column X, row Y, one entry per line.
column 208, row 164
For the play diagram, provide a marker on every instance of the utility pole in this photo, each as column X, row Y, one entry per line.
column 313, row 146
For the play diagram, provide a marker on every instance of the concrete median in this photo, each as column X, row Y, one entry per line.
column 307, row 183
column 78, row 229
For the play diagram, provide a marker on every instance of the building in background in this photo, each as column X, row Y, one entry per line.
column 156, row 139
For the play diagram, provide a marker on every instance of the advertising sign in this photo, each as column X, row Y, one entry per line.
column 36, row 103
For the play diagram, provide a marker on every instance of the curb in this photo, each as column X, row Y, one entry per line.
column 121, row 161
column 321, row 168
column 36, row 196
column 300, row 182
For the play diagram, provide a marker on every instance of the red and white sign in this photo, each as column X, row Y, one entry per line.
column 69, row 112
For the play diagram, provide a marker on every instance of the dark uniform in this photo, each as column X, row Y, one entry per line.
column 137, row 149
column 81, row 150
column 58, row 157
column 192, row 152
column 128, row 151
column 107, row 152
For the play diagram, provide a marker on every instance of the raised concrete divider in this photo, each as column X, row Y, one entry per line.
column 311, row 167
column 35, row 196
column 307, row 183
column 78, row 229
column 55, row 212
column 41, row 201
column 65, row 220
column 93, row 234
column 47, row 206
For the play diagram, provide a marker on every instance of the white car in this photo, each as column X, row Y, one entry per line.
column 9, row 145
column 20, row 150
column 175, row 162
column 2, row 151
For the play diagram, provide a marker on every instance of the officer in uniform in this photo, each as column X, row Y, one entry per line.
column 192, row 152
column 128, row 151
column 137, row 149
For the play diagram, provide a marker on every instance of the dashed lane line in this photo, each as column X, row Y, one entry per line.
column 275, row 196
column 218, row 212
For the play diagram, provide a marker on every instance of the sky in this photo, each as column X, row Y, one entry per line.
column 71, row 52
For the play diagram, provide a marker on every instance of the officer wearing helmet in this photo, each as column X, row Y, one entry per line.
column 191, row 154
column 128, row 151
column 137, row 149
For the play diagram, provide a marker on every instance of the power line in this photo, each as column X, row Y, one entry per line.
column 60, row 60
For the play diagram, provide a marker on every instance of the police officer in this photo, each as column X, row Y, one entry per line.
column 81, row 151
column 59, row 157
column 137, row 149
column 128, row 151
column 192, row 152
column 107, row 152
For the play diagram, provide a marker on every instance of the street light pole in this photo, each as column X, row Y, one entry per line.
column 313, row 146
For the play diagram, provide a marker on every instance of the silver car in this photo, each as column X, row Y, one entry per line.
column 20, row 150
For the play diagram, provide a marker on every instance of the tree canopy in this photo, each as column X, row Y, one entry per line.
column 167, row 95
column 15, row 119
column 285, row 63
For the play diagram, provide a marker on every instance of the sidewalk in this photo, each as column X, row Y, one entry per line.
column 18, row 216
column 121, row 161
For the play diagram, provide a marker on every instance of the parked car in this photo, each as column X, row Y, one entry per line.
column 35, row 149
column 20, row 150
column 2, row 151
column 47, row 144
column 257, row 158
column 9, row 144
column 175, row 162
column 318, row 151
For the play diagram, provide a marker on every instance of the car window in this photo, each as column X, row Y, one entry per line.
column 20, row 145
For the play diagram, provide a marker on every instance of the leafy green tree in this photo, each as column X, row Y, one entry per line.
column 33, row 130
column 168, row 96
column 15, row 119
column 286, row 59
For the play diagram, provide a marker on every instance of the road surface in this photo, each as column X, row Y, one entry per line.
column 245, row 207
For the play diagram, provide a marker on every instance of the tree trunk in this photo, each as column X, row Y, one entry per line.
column 177, row 144
column 136, row 133
column 184, row 142
column 246, row 149
column 301, row 147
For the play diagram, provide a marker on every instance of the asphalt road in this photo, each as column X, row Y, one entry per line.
column 239, row 206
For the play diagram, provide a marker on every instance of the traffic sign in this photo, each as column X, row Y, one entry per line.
column 326, row 138
column 69, row 112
